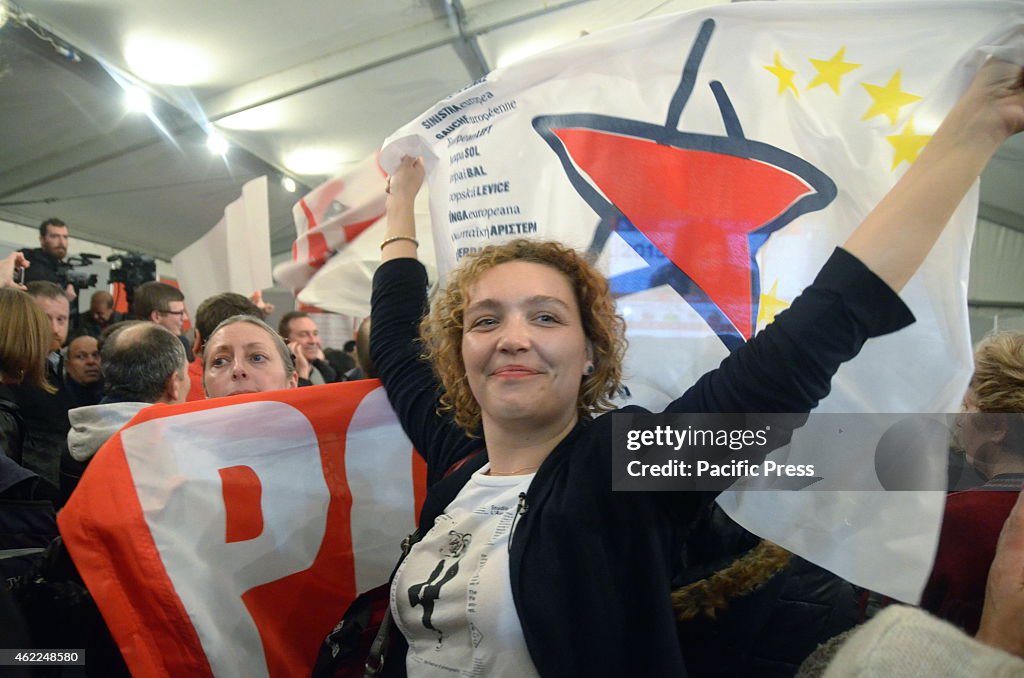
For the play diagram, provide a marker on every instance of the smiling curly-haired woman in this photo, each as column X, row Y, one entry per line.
column 561, row 576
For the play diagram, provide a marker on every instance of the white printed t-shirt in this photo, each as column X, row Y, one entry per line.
column 452, row 596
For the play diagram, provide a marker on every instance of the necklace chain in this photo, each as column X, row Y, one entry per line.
column 512, row 473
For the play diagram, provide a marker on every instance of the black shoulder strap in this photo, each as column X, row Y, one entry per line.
column 379, row 647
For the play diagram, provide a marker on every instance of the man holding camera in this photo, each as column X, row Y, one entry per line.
column 46, row 260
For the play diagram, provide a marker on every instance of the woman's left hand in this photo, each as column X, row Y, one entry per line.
column 993, row 105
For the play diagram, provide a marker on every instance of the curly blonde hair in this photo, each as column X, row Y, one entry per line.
column 442, row 328
column 998, row 381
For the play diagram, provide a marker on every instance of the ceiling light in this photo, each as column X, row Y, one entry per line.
column 288, row 184
column 159, row 60
column 316, row 161
column 217, row 144
column 137, row 100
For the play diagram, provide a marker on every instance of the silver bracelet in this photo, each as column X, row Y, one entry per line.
column 396, row 238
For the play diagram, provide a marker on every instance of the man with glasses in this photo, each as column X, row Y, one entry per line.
column 164, row 305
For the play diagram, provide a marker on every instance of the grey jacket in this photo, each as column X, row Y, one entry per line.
column 94, row 425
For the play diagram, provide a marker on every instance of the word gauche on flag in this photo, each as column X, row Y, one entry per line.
column 709, row 162
column 226, row 537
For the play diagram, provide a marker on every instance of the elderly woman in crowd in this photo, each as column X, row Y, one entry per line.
column 991, row 432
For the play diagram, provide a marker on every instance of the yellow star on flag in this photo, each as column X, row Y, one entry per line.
column 784, row 75
column 888, row 100
column 907, row 144
column 831, row 72
column 769, row 305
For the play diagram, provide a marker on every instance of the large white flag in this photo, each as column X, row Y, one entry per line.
column 710, row 162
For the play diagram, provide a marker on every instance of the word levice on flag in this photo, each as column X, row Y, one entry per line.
column 227, row 537
column 709, row 162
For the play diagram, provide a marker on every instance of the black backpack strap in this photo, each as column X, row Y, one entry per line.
column 343, row 640
column 379, row 647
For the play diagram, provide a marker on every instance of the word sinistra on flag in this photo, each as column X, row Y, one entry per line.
column 710, row 162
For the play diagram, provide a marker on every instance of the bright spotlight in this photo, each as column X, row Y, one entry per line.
column 137, row 100
column 157, row 59
column 217, row 144
column 288, row 184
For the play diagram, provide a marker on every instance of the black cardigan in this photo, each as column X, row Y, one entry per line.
column 591, row 569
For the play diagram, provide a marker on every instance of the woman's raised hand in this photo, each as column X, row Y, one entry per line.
column 994, row 103
column 405, row 183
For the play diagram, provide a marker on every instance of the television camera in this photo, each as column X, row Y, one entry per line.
column 67, row 275
column 132, row 270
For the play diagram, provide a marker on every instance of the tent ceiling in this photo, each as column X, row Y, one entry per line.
column 276, row 79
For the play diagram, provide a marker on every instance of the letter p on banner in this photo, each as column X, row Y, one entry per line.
column 216, row 536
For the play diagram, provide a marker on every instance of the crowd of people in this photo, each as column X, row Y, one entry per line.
column 76, row 376
column 524, row 561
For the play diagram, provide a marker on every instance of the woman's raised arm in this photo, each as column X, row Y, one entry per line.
column 398, row 303
column 400, row 238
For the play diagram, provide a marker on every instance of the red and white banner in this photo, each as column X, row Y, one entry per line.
column 331, row 216
column 339, row 226
column 226, row 537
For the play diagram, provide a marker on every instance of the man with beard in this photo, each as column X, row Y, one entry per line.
column 46, row 259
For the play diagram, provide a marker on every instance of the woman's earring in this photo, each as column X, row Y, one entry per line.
column 589, row 370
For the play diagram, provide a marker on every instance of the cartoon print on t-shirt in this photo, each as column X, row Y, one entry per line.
column 428, row 592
